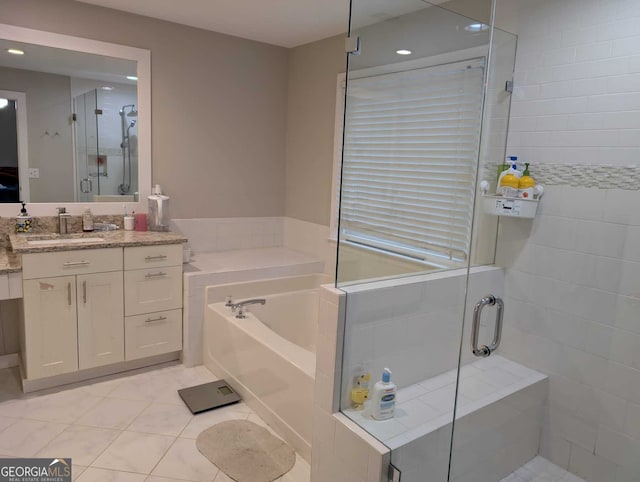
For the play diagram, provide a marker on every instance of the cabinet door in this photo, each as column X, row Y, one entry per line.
column 100, row 319
column 50, row 337
column 151, row 290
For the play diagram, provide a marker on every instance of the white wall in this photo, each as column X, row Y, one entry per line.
column 572, row 288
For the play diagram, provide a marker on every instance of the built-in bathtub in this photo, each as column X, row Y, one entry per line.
column 245, row 265
column 269, row 356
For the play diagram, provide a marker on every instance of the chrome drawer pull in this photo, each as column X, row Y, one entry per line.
column 155, row 275
column 159, row 318
column 84, row 292
column 152, row 258
column 76, row 263
column 69, row 293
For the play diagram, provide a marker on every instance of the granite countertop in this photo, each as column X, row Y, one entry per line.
column 108, row 239
column 10, row 262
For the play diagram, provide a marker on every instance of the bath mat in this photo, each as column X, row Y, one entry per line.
column 246, row 452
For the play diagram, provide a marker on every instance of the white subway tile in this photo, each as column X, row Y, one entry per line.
column 579, row 36
column 626, row 46
column 626, row 313
column 595, row 51
column 616, row 447
column 574, row 429
column 623, row 381
column 603, row 239
column 619, row 207
column 599, row 339
column 555, row 448
column 630, row 280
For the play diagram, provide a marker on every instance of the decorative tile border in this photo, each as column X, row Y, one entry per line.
column 578, row 175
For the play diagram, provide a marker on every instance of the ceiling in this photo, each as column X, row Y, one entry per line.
column 286, row 23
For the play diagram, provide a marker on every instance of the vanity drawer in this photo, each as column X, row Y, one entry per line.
column 140, row 257
column 151, row 290
column 152, row 334
column 65, row 263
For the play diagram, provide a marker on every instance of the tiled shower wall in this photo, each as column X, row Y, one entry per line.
column 572, row 286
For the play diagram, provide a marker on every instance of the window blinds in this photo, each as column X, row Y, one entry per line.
column 410, row 153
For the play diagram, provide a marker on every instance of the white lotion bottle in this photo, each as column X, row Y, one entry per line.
column 383, row 399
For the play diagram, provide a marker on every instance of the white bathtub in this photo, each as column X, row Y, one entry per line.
column 269, row 356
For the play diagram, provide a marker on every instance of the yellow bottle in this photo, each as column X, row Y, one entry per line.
column 360, row 391
column 509, row 182
column 526, row 184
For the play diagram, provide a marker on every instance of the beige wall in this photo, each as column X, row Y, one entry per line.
column 312, row 76
column 219, row 106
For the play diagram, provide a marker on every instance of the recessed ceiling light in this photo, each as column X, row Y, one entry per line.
column 15, row 51
column 403, row 52
column 132, row 77
column 476, row 27
column 106, row 87
column 4, row 103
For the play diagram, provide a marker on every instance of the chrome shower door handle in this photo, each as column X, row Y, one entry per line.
column 484, row 350
column 497, row 330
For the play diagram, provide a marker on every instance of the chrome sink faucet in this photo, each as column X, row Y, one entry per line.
column 63, row 219
column 240, row 306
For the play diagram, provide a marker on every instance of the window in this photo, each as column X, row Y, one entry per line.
column 410, row 154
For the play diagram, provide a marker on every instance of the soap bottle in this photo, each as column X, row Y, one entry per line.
column 87, row 220
column 526, row 184
column 23, row 221
column 360, row 391
column 509, row 182
column 383, row 398
column 509, row 161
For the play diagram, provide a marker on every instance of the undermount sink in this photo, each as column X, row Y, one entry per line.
column 39, row 242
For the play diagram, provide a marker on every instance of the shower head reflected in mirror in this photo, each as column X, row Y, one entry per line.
column 132, row 113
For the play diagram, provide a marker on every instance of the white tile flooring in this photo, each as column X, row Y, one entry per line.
column 541, row 470
column 132, row 427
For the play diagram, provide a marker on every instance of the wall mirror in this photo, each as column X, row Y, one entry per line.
column 75, row 123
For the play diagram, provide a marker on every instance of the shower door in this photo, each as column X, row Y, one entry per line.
column 87, row 149
column 424, row 122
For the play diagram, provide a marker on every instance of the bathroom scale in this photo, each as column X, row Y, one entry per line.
column 208, row 396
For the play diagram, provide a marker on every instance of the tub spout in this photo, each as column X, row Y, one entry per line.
column 240, row 306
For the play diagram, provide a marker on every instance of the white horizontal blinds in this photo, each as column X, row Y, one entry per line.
column 409, row 159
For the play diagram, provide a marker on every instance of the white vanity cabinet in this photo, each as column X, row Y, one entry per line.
column 50, row 327
column 152, row 300
column 73, row 311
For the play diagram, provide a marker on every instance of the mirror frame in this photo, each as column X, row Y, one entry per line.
column 143, row 59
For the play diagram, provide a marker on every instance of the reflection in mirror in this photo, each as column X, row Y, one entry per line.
column 81, row 126
column 11, row 145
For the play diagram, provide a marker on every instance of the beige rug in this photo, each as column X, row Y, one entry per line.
column 246, row 452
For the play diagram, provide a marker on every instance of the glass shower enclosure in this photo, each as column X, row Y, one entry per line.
column 509, row 335
column 105, row 139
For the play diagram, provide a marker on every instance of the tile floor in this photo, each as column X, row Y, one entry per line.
column 540, row 469
column 132, row 427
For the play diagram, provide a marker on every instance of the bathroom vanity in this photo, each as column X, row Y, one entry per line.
column 98, row 304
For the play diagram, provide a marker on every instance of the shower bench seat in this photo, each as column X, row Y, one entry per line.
column 500, row 404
